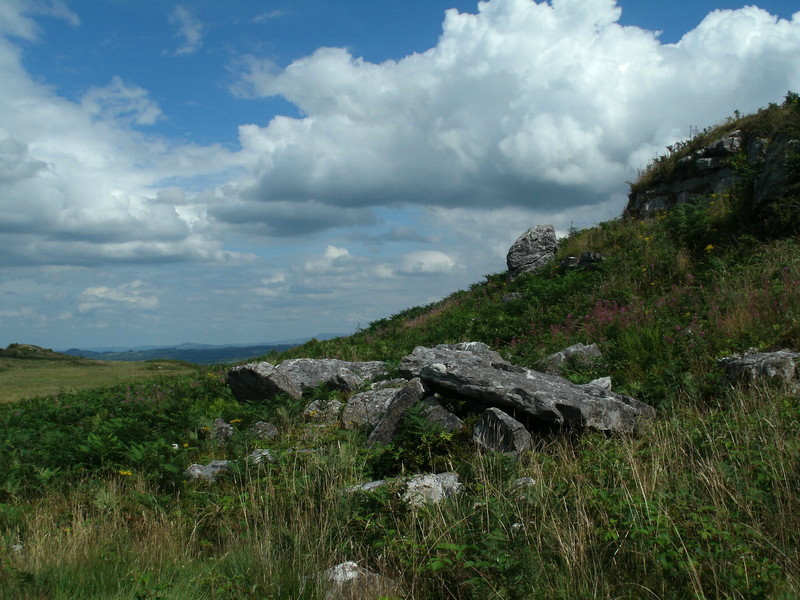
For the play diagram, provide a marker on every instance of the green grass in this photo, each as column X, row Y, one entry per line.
column 25, row 373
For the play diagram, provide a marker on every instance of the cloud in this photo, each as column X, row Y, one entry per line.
column 133, row 295
column 122, row 102
column 428, row 262
column 15, row 16
column 266, row 17
column 190, row 28
column 548, row 106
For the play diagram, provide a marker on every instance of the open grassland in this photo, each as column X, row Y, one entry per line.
column 26, row 377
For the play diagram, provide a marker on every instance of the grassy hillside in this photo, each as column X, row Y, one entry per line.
column 27, row 371
column 703, row 504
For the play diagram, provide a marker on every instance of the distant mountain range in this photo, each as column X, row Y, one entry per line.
column 201, row 354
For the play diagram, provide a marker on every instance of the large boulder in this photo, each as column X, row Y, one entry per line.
column 546, row 399
column 342, row 374
column 498, row 432
column 533, row 249
column 412, row 364
column 257, row 382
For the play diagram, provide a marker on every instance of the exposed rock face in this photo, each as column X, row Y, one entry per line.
column 223, row 431
column 257, row 382
column 264, row 431
column 547, row 399
column 348, row 581
column 761, row 365
column 367, row 408
column 577, row 356
column 434, row 488
column 260, row 456
column 710, row 171
column 498, row 432
column 532, row 250
column 404, row 399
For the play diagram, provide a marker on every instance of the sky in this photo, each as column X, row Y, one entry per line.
column 263, row 170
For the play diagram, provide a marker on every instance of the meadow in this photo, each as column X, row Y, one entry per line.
column 704, row 503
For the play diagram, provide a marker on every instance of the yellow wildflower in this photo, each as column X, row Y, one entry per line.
column 125, row 473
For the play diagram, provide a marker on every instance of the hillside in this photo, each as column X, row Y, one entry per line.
column 115, row 492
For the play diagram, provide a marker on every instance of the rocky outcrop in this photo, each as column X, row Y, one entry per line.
column 312, row 372
column 433, row 488
column 257, row 382
column 367, row 408
column 586, row 260
column 533, row 249
column 435, row 413
column 412, row 364
column 731, row 160
column 758, row 366
column 539, row 397
column 208, row 472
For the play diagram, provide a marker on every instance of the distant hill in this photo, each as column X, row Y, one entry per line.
column 201, row 354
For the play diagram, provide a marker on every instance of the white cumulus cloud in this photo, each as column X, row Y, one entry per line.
column 190, row 28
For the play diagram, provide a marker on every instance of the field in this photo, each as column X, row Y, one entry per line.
column 26, row 377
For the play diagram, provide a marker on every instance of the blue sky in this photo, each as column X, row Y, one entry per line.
column 255, row 171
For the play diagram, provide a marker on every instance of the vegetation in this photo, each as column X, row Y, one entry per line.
column 27, row 371
column 704, row 504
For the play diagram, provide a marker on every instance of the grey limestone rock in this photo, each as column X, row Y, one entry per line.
column 323, row 411
column 433, row 488
column 405, row 398
column 312, row 372
column 257, row 382
column 756, row 366
column 548, row 399
column 208, row 472
column 411, row 365
column 577, row 356
column 260, row 456
column 223, row 431
column 435, row 413
column 498, row 432
column 533, row 249
column 367, row 408
column 264, row 431
column 349, row 581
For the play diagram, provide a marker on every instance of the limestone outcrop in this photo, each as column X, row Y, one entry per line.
column 533, row 249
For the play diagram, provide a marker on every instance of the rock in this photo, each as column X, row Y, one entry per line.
column 208, row 472
column 348, row 581
column 257, row 382
column 576, row 357
column 533, row 249
column 435, row 413
column 422, row 489
column 547, row 399
column 411, row 365
column 524, row 482
column 323, row 411
column 260, row 456
column 367, row 408
column 601, row 382
column 370, row 486
column 498, row 432
column 757, row 366
column 404, row 399
column 223, row 431
column 587, row 260
column 342, row 374
column 264, row 431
